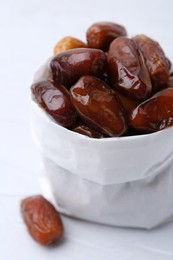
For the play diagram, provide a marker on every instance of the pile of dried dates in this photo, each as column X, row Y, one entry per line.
column 110, row 86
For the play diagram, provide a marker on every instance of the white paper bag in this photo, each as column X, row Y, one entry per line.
column 122, row 181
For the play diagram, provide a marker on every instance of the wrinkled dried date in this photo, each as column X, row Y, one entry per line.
column 69, row 66
column 88, row 131
column 100, row 35
column 155, row 113
column 98, row 106
column 42, row 220
column 127, row 69
column 68, row 43
column 55, row 99
column 158, row 65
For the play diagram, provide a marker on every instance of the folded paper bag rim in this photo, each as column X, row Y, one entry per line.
column 105, row 161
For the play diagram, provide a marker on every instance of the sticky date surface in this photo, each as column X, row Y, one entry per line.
column 42, row 220
column 127, row 69
column 97, row 105
column 69, row 66
column 155, row 113
column 55, row 100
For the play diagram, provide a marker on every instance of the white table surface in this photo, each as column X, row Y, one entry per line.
column 28, row 32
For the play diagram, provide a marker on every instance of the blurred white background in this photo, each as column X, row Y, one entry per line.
column 28, row 32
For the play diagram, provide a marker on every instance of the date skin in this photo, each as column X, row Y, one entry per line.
column 128, row 103
column 42, row 220
column 155, row 113
column 55, row 100
column 69, row 66
column 163, row 85
column 100, row 35
column 88, row 131
column 127, row 69
column 98, row 107
column 169, row 83
column 68, row 43
column 157, row 63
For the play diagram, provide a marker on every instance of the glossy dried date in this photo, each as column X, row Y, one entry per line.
column 69, row 66
column 42, row 220
column 55, row 100
column 100, row 35
column 98, row 106
column 68, row 43
column 157, row 63
column 155, row 113
column 88, row 131
column 127, row 69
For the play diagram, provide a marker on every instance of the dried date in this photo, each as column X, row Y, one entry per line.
column 100, row 35
column 155, row 113
column 68, row 43
column 55, row 100
column 98, row 106
column 88, row 131
column 42, row 220
column 156, row 61
column 127, row 69
column 68, row 66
